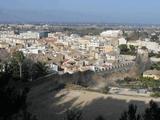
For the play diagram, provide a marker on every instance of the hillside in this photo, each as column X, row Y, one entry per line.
column 48, row 104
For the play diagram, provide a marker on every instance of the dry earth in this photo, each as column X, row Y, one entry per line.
column 51, row 105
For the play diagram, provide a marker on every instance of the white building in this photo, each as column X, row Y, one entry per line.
column 53, row 67
column 33, row 50
column 30, row 35
column 94, row 43
column 151, row 46
column 84, row 44
column 51, row 35
column 155, row 74
column 122, row 41
column 110, row 57
column 111, row 33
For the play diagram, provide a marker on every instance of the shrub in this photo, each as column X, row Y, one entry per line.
column 155, row 94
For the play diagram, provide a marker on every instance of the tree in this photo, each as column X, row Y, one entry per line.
column 155, row 66
column 19, row 57
column 39, row 69
column 100, row 118
column 13, row 94
column 73, row 114
column 14, row 68
column 154, row 38
column 132, row 49
column 123, row 49
column 131, row 114
column 27, row 70
column 153, row 112
column 1, row 67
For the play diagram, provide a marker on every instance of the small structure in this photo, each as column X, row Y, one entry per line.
column 152, row 74
column 111, row 33
column 122, row 41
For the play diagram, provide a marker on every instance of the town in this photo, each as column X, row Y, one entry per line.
column 110, row 51
column 79, row 60
column 122, row 63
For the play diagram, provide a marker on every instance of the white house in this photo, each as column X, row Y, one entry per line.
column 110, row 57
column 29, row 35
column 122, row 41
column 111, row 33
column 53, row 67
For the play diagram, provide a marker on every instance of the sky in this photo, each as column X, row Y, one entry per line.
column 100, row 11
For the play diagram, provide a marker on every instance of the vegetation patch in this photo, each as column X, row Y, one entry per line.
column 125, row 50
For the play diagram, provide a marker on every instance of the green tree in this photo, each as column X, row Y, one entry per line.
column 27, row 70
column 155, row 66
column 13, row 96
column 123, row 47
column 73, row 114
column 131, row 114
column 39, row 69
column 154, row 38
column 19, row 57
column 100, row 118
column 1, row 67
column 132, row 49
column 152, row 112
column 14, row 68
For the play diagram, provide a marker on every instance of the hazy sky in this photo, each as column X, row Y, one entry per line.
column 120, row 11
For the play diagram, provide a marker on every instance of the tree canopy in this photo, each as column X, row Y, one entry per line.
column 151, row 113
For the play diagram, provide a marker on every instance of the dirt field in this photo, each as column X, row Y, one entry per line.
column 51, row 105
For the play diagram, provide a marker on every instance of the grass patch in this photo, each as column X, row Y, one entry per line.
column 155, row 94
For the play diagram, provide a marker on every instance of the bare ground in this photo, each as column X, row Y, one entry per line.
column 51, row 105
